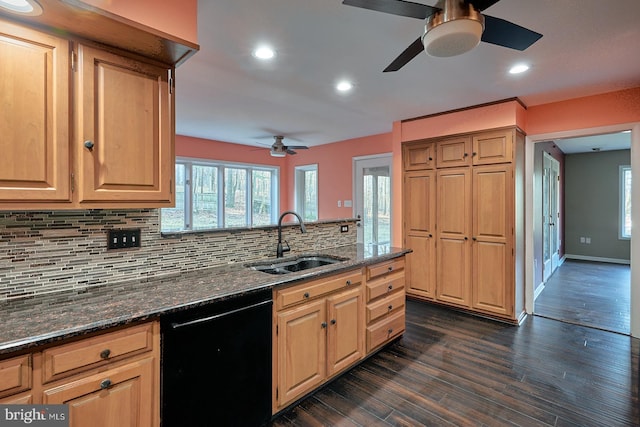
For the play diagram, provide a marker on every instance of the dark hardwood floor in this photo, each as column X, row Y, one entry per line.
column 594, row 294
column 454, row 369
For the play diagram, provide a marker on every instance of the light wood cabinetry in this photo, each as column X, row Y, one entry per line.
column 109, row 379
column 84, row 127
column 467, row 235
column 323, row 326
column 385, row 297
column 318, row 333
column 34, row 124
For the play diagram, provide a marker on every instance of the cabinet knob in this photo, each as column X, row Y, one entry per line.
column 390, row 268
column 430, row 158
column 323, row 324
column 348, row 282
column 474, row 154
column 430, row 235
column 89, row 144
column 466, row 154
column 105, row 384
column 390, row 307
column 390, row 331
column 306, row 294
column 333, row 321
column 466, row 238
column 390, row 287
column 104, row 354
column 474, row 238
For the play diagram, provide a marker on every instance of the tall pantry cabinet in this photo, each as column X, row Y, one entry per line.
column 464, row 219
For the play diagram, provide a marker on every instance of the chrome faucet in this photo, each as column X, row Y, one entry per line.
column 280, row 250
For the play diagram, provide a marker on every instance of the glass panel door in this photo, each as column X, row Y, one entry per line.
column 373, row 200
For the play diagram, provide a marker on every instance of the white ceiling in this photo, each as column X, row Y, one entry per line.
column 224, row 93
column 594, row 143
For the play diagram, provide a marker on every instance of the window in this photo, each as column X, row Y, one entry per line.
column 306, row 188
column 213, row 195
column 625, row 202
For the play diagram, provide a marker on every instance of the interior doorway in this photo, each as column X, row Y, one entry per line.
column 372, row 176
column 544, row 203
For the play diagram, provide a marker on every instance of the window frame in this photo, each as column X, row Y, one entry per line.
column 300, row 189
column 622, row 217
column 222, row 166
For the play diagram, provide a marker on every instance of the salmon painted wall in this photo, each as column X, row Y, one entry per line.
column 199, row 148
column 178, row 18
column 583, row 113
column 335, row 170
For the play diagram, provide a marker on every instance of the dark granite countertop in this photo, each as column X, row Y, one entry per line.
column 47, row 319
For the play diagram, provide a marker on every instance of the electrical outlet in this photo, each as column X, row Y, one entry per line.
column 588, row 240
column 344, row 228
column 122, row 239
column 582, row 240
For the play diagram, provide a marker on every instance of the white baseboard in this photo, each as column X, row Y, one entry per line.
column 598, row 259
column 538, row 290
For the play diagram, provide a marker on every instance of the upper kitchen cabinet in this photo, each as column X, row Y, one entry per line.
column 124, row 131
column 34, row 117
column 87, row 118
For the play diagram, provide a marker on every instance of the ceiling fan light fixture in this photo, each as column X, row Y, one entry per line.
column 278, row 153
column 22, row 7
column 454, row 30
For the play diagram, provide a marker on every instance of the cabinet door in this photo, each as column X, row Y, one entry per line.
column 418, row 155
column 419, row 229
column 345, row 333
column 454, row 227
column 301, row 350
column 453, row 152
column 119, row 397
column 492, row 239
column 124, row 141
column 34, row 122
column 493, row 147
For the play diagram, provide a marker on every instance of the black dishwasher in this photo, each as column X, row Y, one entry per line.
column 216, row 364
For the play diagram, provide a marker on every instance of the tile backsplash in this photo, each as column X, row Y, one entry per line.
column 45, row 252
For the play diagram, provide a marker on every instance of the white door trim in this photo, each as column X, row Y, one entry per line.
column 635, row 210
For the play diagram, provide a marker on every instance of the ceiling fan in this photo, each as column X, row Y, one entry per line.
column 278, row 149
column 452, row 27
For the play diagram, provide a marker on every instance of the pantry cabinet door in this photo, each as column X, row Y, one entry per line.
column 34, row 116
column 125, row 129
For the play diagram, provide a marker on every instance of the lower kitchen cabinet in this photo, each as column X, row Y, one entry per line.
column 385, row 296
column 318, row 338
column 324, row 326
column 111, row 379
column 119, row 397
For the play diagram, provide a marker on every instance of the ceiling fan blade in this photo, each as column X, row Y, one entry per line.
column 403, row 59
column 290, row 151
column 482, row 4
column 297, row 147
column 395, row 7
column 507, row 34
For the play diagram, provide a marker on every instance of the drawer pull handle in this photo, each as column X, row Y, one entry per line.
column 104, row 354
column 323, row 324
column 333, row 321
column 306, row 294
column 348, row 282
column 390, row 331
column 390, row 307
column 390, row 287
column 105, row 384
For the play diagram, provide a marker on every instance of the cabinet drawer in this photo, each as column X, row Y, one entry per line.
column 89, row 353
column 385, row 285
column 377, row 270
column 15, row 375
column 385, row 306
column 381, row 332
column 296, row 294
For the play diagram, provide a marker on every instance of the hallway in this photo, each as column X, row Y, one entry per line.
column 592, row 294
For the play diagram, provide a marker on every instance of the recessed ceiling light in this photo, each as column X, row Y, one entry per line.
column 23, row 7
column 518, row 68
column 344, row 86
column 264, row 52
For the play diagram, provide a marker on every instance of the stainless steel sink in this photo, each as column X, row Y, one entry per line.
column 296, row 264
